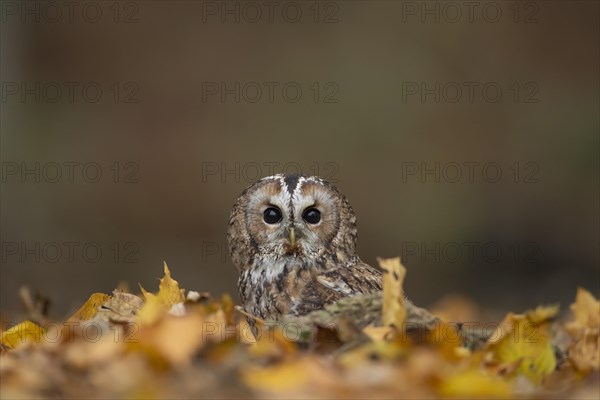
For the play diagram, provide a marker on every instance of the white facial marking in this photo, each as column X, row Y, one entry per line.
column 300, row 202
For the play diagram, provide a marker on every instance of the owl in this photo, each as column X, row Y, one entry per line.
column 293, row 240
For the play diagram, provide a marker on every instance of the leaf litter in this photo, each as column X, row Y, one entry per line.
column 179, row 344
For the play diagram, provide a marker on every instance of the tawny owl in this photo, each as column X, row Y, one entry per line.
column 293, row 240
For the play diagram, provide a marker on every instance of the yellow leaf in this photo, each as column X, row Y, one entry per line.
column 584, row 352
column 228, row 307
column 535, row 317
column 447, row 339
column 294, row 377
column 542, row 314
column 524, row 339
column 379, row 350
column 377, row 333
column 145, row 293
column 157, row 305
column 586, row 311
column 394, row 309
column 90, row 308
column 152, row 310
column 273, row 343
column 25, row 331
column 169, row 291
column 245, row 332
column 475, row 384
column 284, row 377
column 174, row 339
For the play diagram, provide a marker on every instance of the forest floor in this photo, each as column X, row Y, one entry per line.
column 174, row 343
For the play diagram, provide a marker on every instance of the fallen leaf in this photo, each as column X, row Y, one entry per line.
column 121, row 307
column 377, row 333
column 168, row 290
column 524, row 339
column 372, row 352
column 90, row 308
column 174, row 339
column 447, row 338
column 584, row 352
column 152, row 310
column 273, row 343
column 394, row 309
column 586, row 311
column 157, row 305
column 23, row 332
column 292, row 378
column 475, row 384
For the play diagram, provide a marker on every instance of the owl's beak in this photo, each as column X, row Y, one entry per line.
column 292, row 237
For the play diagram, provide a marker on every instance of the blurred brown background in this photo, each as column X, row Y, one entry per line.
column 129, row 129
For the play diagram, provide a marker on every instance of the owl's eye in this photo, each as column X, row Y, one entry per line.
column 272, row 215
column 312, row 215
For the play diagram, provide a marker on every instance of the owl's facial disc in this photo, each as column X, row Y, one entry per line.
column 291, row 216
column 316, row 212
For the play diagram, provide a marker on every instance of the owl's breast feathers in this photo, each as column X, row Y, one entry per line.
column 285, row 288
column 333, row 284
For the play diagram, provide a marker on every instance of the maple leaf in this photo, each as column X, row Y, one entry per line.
column 524, row 340
column 156, row 305
column 584, row 352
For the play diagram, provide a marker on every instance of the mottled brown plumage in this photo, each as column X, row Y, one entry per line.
column 293, row 241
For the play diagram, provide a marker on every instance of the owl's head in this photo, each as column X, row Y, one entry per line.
column 293, row 216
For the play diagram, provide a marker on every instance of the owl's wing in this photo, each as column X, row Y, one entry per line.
column 334, row 284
